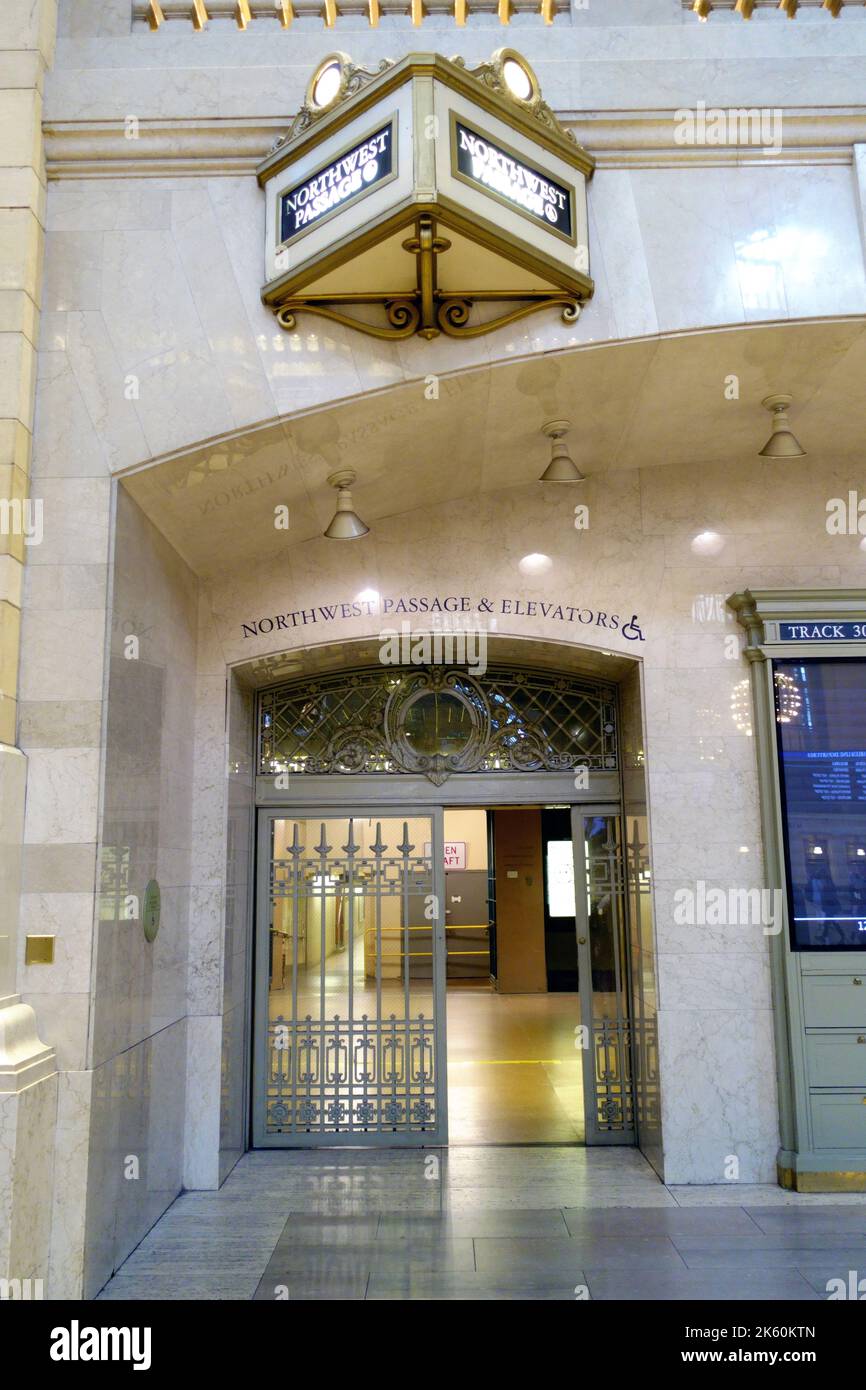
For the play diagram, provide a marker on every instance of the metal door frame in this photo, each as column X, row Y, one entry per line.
column 266, row 815
column 594, row 1134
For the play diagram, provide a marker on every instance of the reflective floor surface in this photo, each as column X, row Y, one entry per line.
column 487, row 1224
column 514, row 1074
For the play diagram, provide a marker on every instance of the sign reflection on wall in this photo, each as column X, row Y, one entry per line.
column 359, row 169
column 481, row 162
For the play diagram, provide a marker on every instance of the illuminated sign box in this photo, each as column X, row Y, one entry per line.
column 349, row 176
column 421, row 193
column 481, row 162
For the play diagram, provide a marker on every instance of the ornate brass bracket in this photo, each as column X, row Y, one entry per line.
column 426, row 310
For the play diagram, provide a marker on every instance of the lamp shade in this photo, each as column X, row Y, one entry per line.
column 562, row 467
column 782, row 444
column 345, row 525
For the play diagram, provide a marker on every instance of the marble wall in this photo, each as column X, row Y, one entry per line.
column 221, row 917
column 153, row 338
column 140, row 995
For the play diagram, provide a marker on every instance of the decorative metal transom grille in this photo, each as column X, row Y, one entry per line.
column 437, row 721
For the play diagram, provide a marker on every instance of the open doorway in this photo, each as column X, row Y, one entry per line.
column 515, row 1063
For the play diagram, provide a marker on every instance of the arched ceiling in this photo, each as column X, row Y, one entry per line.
column 637, row 405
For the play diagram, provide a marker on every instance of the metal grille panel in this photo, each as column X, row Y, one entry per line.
column 610, row 1073
column 369, row 1067
column 511, row 721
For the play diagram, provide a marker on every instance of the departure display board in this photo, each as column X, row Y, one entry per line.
column 821, row 723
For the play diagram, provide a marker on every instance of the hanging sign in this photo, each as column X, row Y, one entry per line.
column 400, row 198
column 481, row 162
column 357, row 170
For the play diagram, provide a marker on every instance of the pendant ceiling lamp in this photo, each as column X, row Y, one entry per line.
column 782, row 444
column 562, row 467
column 346, row 524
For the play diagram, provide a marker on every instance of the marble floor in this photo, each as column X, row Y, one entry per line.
column 519, row 1223
column 514, row 1075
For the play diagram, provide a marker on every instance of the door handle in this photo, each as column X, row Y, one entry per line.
column 581, row 941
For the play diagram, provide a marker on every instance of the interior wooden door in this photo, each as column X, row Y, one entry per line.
column 521, row 967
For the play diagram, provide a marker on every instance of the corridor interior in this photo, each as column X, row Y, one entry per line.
column 513, row 1064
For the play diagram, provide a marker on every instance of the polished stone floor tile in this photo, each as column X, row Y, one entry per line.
column 171, row 1287
column 509, row 1223
column 413, row 1226
column 470, row 1288
column 302, row 1229
column 670, row 1221
column 824, row 1276
column 685, row 1285
column 313, row 1286
column 773, row 1258
column 546, row 1256
column 789, row 1241
column 403, row 1255
column 847, row 1220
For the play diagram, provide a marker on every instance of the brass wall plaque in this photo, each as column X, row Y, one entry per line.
column 39, row 950
column 150, row 910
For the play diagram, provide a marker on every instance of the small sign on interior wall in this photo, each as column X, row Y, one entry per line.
column 455, row 853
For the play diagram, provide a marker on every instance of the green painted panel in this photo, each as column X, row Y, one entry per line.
column 839, row 1120
column 835, row 1001
column 836, row 1059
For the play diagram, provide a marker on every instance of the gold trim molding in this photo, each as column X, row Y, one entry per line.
column 838, row 1181
column 209, row 148
column 746, row 8
column 199, row 14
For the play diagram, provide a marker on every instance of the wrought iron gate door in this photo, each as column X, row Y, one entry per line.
column 350, row 971
column 602, row 954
